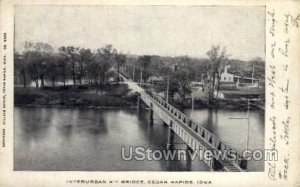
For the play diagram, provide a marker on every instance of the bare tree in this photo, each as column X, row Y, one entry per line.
column 145, row 62
column 52, row 68
column 120, row 60
column 63, row 64
column 72, row 53
column 218, row 59
column 45, row 50
column 85, row 58
column 103, row 60
column 20, row 67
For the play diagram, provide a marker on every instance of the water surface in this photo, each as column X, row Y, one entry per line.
column 72, row 139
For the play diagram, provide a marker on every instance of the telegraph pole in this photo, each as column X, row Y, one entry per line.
column 252, row 73
column 168, row 85
column 141, row 78
column 133, row 74
column 248, row 122
column 192, row 106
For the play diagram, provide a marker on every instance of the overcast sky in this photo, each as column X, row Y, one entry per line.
column 153, row 30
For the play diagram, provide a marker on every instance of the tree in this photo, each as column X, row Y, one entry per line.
column 120, row 60
column 218, row 59
column 85, row 58
column 33, row 60
column 144, row 62
column 30, row 60
column 71, row 53
column 52, row 69
column 63, row 65
column 182, row 79
column 92, row 71
column 20, row 68
column 105, row 58
column 102, row 62
column 45, row 51
column 35, row 57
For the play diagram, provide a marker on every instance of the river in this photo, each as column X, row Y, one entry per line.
column 73, row 139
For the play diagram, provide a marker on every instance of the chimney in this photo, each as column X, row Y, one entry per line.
column 226, row 67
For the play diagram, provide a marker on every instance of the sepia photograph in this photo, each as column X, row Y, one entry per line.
column 139, row 88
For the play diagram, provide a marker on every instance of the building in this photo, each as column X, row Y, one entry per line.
column 238, row 80
column 155, row 79
column 235, row 86
column 227, row 77
column 196, row 84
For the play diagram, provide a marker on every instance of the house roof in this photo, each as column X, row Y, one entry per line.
column 156, row 78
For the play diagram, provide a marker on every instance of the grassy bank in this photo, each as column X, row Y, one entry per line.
column 117, row 96
column 230, row 104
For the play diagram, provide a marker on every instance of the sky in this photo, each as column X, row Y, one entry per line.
column 146, row 30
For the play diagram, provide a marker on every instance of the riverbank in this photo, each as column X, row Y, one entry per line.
column 114, row 96
column 230, row 104
column 117, row 97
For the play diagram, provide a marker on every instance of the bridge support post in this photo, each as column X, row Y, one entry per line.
column 151, row 113
column 189, row 152
column 138, row 102
column 216, row 165
column 170, row 144
column 189, row 149
column 243, row 164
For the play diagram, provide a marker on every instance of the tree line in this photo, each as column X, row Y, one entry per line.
column 39, row 62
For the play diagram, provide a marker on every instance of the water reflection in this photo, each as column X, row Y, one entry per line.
column 234, row 131
column 87, row 139
column 47, row 139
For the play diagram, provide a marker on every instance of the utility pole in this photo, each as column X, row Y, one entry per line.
column 248, row 123
column 168, row 86
column 133, row 74
column 141, row 78
column 192, row 106
column 151, row 86
column 252, row 73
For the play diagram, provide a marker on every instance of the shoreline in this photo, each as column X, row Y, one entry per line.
column 83, row 107
column 118, row 99
column 229, row 108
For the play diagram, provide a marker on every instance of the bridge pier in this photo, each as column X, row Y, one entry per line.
column 138, row 102
column 170, row 144
column 216, row 165
column 151, row 113
column 188, row 148
column 244, row 164
column 189, row 160
column 189, row 152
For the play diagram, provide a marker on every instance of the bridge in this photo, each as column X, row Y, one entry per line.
column 192, row 134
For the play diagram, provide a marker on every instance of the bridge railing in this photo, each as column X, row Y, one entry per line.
column 203, row 133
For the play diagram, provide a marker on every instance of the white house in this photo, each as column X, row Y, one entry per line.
column 227, row 77
column 229, row 80
column 238, row 80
